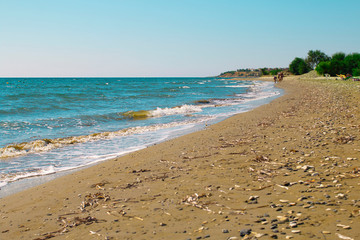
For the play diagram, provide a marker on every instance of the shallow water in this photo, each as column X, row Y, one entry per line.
column 51, row 125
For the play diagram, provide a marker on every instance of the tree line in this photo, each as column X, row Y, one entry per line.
column 338, row 63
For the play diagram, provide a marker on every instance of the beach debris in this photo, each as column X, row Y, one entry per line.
column 343, row 226
column 193, row 200
column 68, row 224
column 261, row 158
column 77, row 221
column 92, row 200
column 344, row 237
column 344, row 139
column 232, row 238
column 252, row 200
column 99, row 185
column 140, row 171
column 282, row 186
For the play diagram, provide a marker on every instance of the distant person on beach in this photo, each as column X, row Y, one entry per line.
column 275, row 79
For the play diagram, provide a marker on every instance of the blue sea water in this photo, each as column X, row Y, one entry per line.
column 49, row 125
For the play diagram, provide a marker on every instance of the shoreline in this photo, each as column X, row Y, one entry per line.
column 25, row 182
column 294, row 160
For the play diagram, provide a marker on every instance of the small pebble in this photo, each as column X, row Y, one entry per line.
column 293, row 224
column 244, row 232
column 274, row 226
column 343, row 226
column 282, row 219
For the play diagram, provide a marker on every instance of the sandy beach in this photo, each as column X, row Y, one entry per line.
column 286, row 170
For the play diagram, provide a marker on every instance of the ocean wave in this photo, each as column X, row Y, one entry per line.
column 184, row 109
column 237, row 86
column 15, row 176
column 45, row 145
column 160, row 112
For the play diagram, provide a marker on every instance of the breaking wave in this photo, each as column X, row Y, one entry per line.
column 44, row 145
column 160, row 112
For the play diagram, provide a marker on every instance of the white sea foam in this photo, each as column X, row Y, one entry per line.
column 98, row 156
column 2, row 183
column 44, row 145
column 12, row 177
column 237, row 86
column 185, row 109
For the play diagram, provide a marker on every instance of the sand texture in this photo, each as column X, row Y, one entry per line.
column 288, row 169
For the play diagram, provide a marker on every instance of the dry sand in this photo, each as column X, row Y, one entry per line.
column 288, row 169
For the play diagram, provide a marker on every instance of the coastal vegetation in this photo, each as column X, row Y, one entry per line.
column 299, row 66
column 271, row 71
column 248, row 72
column 339, row 64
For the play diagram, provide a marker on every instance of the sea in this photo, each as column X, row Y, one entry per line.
column 56, row 125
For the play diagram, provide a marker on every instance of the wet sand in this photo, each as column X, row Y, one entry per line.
column 288, row 169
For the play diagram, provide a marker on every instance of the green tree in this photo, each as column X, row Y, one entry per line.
column 340, row 56
column 341, row 63
column 299, row 66
column 323, row 68
column 315, row 57
column 351, row 63
column 337, row 67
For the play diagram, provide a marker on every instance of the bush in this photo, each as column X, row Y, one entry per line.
column 275, row 71
column 264, row 71
column 356, row 72
column 298, row 66
column 352, row 62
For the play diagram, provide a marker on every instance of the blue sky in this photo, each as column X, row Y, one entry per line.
column 133, row 38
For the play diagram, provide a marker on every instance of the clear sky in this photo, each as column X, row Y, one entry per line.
column 135, row 38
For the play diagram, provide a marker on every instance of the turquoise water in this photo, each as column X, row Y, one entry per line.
column 49, row 125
